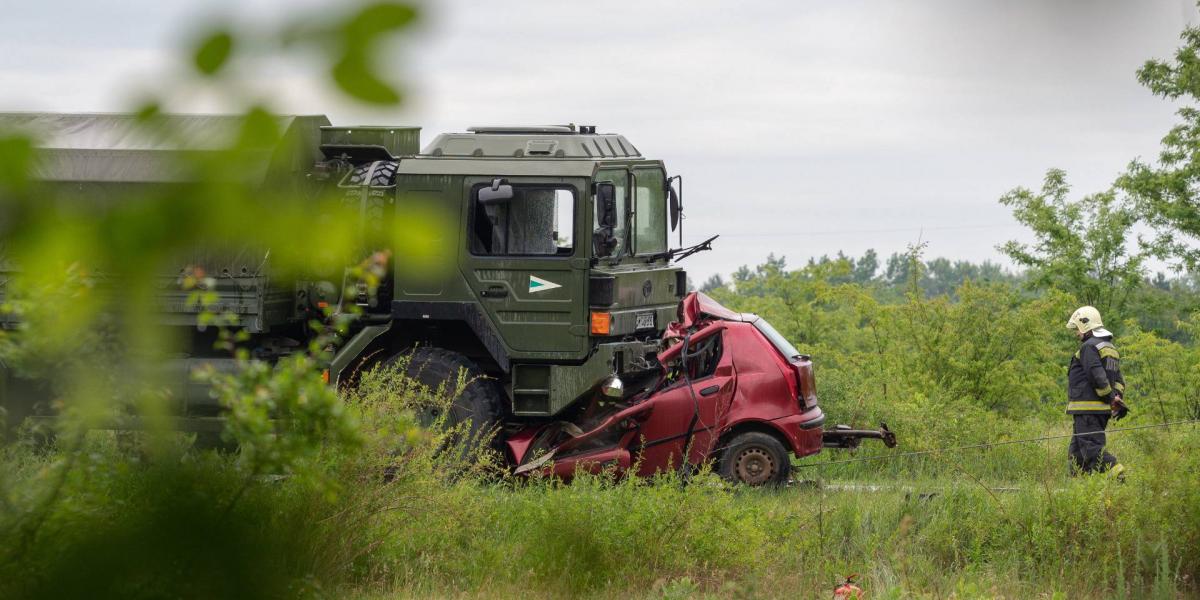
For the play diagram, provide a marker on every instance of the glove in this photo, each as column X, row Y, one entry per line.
column 1119, row 410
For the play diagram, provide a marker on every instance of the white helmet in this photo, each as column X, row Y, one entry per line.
column 1085, row 319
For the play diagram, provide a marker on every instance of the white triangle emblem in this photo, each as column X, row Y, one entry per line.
column 537, row 284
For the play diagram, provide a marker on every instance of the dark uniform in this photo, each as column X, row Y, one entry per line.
column 1093, row 379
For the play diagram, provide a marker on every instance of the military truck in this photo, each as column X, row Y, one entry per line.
column 558, row 295
column 561, row 273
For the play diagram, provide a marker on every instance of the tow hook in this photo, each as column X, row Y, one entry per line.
column 842, row 436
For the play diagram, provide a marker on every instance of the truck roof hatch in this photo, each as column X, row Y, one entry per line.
column 559, row 129
column 550, row 141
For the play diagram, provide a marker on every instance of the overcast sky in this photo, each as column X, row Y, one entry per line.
column 801, row 128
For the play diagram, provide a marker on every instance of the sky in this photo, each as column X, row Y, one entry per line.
column 800, row 128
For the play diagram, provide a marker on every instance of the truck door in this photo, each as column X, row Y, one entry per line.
column 526, row 261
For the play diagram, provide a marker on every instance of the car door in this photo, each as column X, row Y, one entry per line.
column 689, row 415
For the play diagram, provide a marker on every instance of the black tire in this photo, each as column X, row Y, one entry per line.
column 755, row 458
column 481, row 401
column 381, row 175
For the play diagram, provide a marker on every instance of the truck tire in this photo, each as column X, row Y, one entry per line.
column 755, row 458
column 374, row 174
column 479, row 402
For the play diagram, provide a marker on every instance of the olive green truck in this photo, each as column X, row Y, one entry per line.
column 560, row 273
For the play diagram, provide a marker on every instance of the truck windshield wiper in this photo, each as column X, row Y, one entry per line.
column 679, row 254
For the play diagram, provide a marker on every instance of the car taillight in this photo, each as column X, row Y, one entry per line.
column 806, row 382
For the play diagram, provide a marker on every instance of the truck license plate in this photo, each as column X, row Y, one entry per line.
column 645, row 320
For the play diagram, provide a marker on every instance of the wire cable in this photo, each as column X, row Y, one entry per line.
column 685, row 366
column 988, row 445
column 868, row 231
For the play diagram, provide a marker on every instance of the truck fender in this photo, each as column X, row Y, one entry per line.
column 353, row 348
column 464, row 312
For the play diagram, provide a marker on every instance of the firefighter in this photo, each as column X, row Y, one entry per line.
column 1095, row 393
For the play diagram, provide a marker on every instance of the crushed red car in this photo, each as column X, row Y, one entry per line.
column 728, row 388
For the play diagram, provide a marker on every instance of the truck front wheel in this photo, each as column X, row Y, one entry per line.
column 755, row 458
column 478, row 401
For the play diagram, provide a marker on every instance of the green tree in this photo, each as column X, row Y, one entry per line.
column 896, row 271
column 714, row 282
column 750, row 282
column 1081, row 245
column 857, row 270
column 1166, row 192
column 866, row 266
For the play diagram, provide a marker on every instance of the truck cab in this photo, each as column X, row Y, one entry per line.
column 561, row 273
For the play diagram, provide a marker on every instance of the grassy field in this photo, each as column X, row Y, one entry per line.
column 975, row 524
column 108, row 515
column 947, row 533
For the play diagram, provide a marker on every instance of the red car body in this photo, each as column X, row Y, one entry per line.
column 753, row 381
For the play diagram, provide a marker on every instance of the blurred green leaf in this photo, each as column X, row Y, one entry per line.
column 355, row 77
column 376, row 19
column 148, row 111
column 213, row 52
column 354, row 72
column 259, row 128
column 16, row 157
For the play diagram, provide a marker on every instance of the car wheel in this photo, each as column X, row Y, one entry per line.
column 755, row 458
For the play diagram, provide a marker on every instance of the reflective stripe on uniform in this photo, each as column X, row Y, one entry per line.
column 1120, row 387
column 1104, row 391
column 1088, row 406
column 1109, row 352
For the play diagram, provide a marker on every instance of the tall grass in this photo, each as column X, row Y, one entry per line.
column 943, row 535
column 399, row 516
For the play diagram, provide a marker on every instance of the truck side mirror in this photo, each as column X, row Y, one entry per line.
column 676, row 209
column 604, row 241
column 499, row 193
column 676, row 206
column 606, row 198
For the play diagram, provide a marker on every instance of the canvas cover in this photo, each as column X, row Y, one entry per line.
column 117, row 148
column 99, row 158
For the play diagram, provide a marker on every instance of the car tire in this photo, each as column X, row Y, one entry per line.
column 755, row 458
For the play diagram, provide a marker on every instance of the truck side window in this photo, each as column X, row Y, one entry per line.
column 650, row 215
column 620, row 181
column 537, row 221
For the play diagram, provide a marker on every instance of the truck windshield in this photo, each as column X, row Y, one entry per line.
column 619, row 179
column 650, row 212
column 781, row 344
